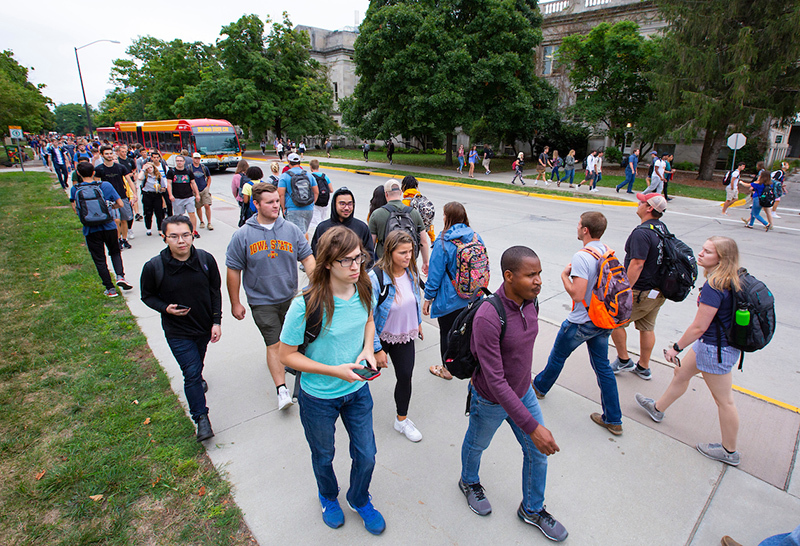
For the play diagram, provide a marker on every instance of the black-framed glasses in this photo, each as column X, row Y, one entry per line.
column 348, row 262
column 185, row 236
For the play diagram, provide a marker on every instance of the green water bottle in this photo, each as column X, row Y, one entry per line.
column 742, row 321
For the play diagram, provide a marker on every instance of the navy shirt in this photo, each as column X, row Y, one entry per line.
column 643, row 244
column 722, row 301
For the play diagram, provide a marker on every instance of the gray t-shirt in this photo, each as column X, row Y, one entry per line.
column 585, row 266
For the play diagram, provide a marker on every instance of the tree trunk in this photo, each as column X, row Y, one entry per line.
column 712, row 144
column 448, row 150
column 278, row 122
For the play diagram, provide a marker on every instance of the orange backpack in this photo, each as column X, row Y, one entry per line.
column 612, row 300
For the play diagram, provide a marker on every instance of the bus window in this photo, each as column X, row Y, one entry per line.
column 186, row 141
column 217, row 143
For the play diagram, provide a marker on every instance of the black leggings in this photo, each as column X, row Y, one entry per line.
column 153, row 204
column 402, row 355
column 445, row 322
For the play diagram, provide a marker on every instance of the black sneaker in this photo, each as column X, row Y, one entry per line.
column 204, row 431
column 139, row 217
column 121, row 245
column 126, row 244
column 476, row 499
column 546, row 523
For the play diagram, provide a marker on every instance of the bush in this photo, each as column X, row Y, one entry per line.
column 613, row 155
column 686, row 166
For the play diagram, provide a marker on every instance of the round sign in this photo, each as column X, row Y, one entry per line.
column 736, row 141
column 16, row 133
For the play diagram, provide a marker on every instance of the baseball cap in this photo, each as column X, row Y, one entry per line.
column 293, row 158
column 197, row 155
column 391, row 185
column 654, row 153
column 655, row 200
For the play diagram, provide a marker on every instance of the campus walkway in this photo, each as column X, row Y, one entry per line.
column 648, row 486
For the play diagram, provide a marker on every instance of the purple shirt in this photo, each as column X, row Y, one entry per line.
column 504, row 375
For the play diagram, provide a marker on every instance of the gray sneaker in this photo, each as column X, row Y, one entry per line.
column 718, row 453
column 649, row 405
column 476, row 500
column 546, row 523
column 618, row 366
column 644, row 373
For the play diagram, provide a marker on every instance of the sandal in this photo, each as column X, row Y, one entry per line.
column 440, row 371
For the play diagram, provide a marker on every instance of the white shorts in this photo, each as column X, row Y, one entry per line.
column 731, row 194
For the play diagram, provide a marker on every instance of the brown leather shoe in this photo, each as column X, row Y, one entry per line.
column 616, row 430
column 728, row 541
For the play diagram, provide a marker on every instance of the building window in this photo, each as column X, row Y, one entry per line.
column 335, row 92
column 549, row 59
column 778, row 139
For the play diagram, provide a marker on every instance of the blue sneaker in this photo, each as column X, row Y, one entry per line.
column 373, row 520
column 332, row 513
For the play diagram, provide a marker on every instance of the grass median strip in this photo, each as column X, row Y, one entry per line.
column 94, row 445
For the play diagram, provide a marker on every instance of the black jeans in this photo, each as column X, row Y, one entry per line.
column 63, row 175
column 95, row 243
column 403, row 355
column 153, row 204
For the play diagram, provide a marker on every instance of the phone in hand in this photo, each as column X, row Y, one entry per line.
column 367, row 373
column 180, row 307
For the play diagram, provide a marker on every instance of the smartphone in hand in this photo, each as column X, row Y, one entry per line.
column 367, row 373
column 180, row 307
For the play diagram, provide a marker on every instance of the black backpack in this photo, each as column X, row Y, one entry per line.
column 324, row 190
column 401, row 219
column 752, row 319
column 302, row 195
column 313, row 329
column 727, row 178
column 158, row 265
column 91, row 205
column 677, row 270
column 458, row 359
column 767, row 197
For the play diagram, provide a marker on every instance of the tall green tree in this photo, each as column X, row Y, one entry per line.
column 71, row 118
column 427, row 67
column 266, row 82
column 21, row 102
column 728, row 64
column 608, row 72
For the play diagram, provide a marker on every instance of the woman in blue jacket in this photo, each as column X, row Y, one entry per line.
column 398, row 320
column 441, row 300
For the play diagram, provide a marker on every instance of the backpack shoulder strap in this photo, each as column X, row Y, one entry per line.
column 383, row 290
column 158, row 269
column 313, row 324
column 501, row 312
column 204, row 256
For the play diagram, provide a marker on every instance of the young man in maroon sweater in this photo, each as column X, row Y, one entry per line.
column 501, row 390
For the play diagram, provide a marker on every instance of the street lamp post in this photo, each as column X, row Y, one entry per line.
column 83, row 90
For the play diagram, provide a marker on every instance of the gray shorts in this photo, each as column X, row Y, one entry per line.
column 125, row 213
column 707, row 358
column 182, row 206
column 300, row 218
column 269, row 319
column 731, row 194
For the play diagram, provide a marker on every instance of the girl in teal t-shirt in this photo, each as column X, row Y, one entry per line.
column 329, row 387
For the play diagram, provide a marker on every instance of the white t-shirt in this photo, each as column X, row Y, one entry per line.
column 590, row 159
column 584, row 266
column 598, row 166
column 734, row 184
column 658, row 171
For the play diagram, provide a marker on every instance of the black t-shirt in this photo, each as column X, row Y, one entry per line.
column 129, row 163
column 644, row 244
column 115, row 175
column 181, row 183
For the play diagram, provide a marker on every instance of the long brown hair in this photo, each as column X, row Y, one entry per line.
column 241, row 166
column 394, row 240
column 335, row 244
column 454, row 213
column 726, row 274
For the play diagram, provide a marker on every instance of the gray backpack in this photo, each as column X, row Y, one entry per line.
column 302, row 195
column 91, row 205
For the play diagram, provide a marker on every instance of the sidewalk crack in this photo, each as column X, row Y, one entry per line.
column 707, row 505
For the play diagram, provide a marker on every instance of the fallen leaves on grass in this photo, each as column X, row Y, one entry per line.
column 96, row 498
column 202, row 491
column 40, row 475
column 146, row 421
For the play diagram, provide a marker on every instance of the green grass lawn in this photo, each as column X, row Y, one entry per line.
column 415, row 160
column 86, row 409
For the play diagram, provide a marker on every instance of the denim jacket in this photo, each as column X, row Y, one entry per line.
column 381, row 312
column 444, row 258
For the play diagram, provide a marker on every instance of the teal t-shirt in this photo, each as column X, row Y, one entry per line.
column 339, row 343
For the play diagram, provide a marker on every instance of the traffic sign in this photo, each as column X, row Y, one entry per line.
column 736, row 141
column 16, row 132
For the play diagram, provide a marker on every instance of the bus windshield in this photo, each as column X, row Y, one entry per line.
column 216, row 143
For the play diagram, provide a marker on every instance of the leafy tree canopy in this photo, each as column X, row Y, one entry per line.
column 71, row 118
column 21, row 102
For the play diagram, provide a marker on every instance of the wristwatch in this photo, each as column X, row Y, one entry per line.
column 675, row 346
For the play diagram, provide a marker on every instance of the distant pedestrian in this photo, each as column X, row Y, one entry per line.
column 461, row 158
column 598, row 171
column 241, row 167
column 589, row 173
column 630, row 171
column 473, row 158
column 758, row 188
column 302, row 149
column 202, row 178
column 557, row 163
column 187, row 293
column 365, row 148
column 709, row 352
column 390, row 151
column 657, row 177
column 668, row 175
column 57, row 161
column 328, row 147
column 487, row 156
column 323, row 197
column 542, row 166
column 732, row 188
column 778, row 184
column 518, row 165
column 298, row 191
column 339, row 299
column 569, row 168
column 263, row 147
column 280, row 149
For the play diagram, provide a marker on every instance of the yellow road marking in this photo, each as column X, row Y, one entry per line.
column 767, row 399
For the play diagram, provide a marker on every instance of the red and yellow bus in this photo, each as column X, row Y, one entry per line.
column 215, row 139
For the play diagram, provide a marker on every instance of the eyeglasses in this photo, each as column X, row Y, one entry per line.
column 345, row 204
column 184, row 236
column 348, row 262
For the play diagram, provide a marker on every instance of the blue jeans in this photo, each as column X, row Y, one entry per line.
column 784, row 539
column 460, row 162
column 484, row 419
column 190, row 354
column 597, row 178
column 554, row 174
column 319, row 417
column 569, row 173
column 630, row 176
column 569, row 338
column 755, row 213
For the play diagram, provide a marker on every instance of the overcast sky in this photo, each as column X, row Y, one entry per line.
column 43, row 35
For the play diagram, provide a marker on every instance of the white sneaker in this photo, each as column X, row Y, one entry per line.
column 595, row 190
column 546, row 183
column 535, row 182
column 284, row 398
column 407, row 427
column 149, row 232
column 130, row 234
column 775, row 215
